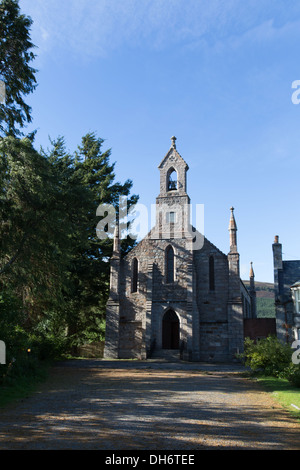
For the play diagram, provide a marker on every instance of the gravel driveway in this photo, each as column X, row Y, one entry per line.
column 131, row 405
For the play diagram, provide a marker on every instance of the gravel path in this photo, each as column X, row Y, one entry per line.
column 129, row 405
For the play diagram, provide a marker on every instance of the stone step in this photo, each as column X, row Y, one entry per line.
column 168, row 355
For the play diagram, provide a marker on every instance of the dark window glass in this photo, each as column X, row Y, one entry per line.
column 170, row 264
column 134, row 275
column 211, row 273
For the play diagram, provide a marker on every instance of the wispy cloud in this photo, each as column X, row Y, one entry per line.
column 94, row 28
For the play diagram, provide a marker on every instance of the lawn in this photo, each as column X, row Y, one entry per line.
column 285, row 393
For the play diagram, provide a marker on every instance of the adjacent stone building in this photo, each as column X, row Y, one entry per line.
column 287, row 295
column 176, row 291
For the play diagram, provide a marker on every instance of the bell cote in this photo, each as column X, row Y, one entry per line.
column 173, row 171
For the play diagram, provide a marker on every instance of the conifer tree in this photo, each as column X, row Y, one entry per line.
column 90, row 268
column 84, row 181
column 16, row 73
column 34, row 228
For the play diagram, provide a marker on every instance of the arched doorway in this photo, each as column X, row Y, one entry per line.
column 170, row 330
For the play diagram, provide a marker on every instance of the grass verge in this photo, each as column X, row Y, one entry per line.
column 283, row 392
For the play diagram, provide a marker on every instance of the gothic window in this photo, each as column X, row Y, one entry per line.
column 170, row 265
column 172, row 179
column 211, row 273
column 135, row 268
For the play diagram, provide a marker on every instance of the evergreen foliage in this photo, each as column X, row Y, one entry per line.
column 54, row 270
column 51, row 260
column 15, row 71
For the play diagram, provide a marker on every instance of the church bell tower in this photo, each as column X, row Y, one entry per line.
column 173, row 202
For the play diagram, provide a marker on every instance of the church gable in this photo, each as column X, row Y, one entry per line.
column 173, row 157
column 166, row 259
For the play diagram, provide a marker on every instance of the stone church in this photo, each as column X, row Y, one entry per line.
column 168, row 295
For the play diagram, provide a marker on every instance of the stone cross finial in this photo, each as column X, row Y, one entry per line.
column 173, row 139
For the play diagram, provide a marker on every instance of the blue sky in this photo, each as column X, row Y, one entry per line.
column 217, row 74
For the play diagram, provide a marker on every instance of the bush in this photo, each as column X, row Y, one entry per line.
column 292, row 374
column 48, row 347
column 268, row 356
column 12, row 333
column 25, row 349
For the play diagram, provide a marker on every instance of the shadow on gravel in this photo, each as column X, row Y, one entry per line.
column 122, row 405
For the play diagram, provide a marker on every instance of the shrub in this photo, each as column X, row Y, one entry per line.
column 268, row 356
column 271, row 357
column 48, row 347
column 292, row 374
column 43, row 342
column 12, row 332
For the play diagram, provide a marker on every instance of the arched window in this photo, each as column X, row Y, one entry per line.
column 135, row 271
column 170, row 264
column 172, row 179
column 211, row 273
